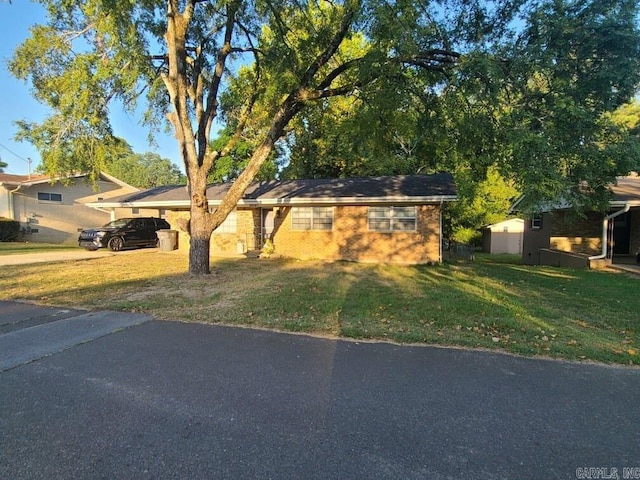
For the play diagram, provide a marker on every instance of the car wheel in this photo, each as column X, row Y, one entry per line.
column 115, row 244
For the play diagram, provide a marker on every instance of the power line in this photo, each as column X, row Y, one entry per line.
column 27, row 160
column 14, row 153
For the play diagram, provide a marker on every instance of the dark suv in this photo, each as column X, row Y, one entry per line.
column 125, row 232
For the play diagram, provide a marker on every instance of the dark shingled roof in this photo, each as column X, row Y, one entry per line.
column 364, row 187
column 408, row 187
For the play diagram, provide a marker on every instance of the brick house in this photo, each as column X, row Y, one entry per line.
column 394, row 219
column 556, row 236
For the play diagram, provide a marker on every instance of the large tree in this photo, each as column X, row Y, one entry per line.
column 532, row 107
column 285, row 55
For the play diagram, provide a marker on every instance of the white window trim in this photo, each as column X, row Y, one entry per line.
column 312, row 223
column 391, row 218
column 230, row 224
column 536, row 221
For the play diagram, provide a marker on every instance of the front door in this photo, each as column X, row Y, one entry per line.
column 622, row 234
column 267, row 224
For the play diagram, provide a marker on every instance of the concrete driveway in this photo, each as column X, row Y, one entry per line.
column 63, row 256
column 135, row 398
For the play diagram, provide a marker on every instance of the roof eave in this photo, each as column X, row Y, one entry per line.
column 272, row 202
column 624, row 203
column 344, row 200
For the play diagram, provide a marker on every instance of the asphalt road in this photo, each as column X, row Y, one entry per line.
column 135, row 398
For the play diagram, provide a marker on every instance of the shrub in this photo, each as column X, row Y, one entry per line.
column 468, row 236
column 9, row 230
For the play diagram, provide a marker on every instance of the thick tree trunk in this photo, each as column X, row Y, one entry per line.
column 201, row 227
column 199, row 253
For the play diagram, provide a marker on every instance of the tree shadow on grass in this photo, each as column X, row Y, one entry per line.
column 529, row 310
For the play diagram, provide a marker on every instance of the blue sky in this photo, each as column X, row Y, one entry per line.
column 16, row 102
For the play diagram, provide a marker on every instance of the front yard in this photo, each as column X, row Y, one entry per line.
column 494, row 303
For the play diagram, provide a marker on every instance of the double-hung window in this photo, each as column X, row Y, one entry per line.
column 312, row 218
column 49, row 197
column 536, row 221
column 230, row 224
column 392, row 219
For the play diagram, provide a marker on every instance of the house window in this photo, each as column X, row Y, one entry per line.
column 49, row 197
column 536, row 221
column 312, row 218
column 390, row 219
column 230, row 224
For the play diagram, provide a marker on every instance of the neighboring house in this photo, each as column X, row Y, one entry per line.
column 51, row 211
column 396, row 219
column 503, row 237
column 556, row 236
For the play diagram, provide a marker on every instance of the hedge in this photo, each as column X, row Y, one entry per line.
column 9, row 230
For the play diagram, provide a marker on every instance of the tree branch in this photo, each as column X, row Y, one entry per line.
column 333, row 46
column 204, row 125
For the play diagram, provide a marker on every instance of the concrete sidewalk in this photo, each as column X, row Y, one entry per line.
column 29, row 333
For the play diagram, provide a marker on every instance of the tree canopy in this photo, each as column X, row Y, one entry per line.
column 522, row 86
column 145, row 170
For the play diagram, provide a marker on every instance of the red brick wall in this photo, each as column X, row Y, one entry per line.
column 351, row 239
column 574, row 234
column 224, row 243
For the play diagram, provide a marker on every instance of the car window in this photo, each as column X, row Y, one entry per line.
column 117, row 223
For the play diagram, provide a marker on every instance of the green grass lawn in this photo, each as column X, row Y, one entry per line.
column 11, row 248
column 493, row 303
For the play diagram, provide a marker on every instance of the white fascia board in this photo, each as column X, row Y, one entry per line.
column 285, row 201
column 346, row 200
column 165, row 204
column 52, row 180
column 622, row 203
